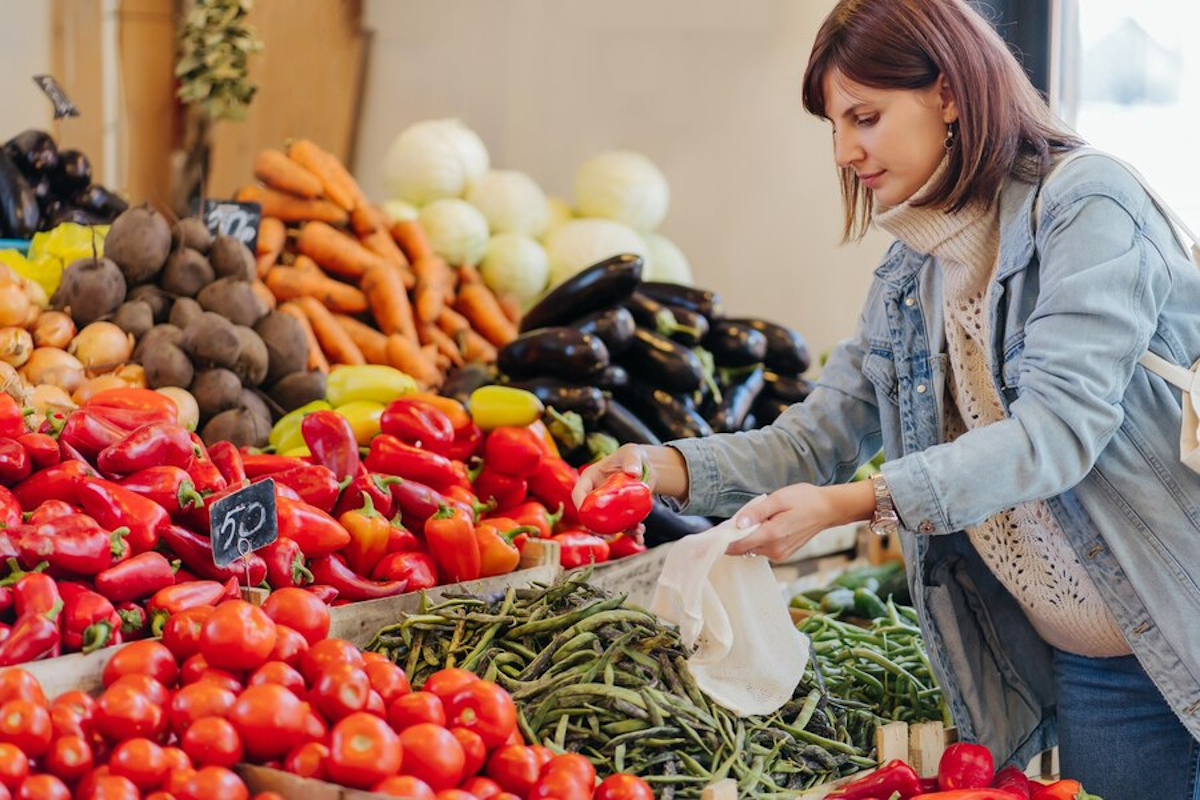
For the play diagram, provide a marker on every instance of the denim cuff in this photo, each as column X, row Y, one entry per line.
column 703, row 476
column 914, row 496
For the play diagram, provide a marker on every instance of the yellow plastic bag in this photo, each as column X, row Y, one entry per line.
column 51, row 251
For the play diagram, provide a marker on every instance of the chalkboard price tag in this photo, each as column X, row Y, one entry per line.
column 63, row 107
column 239, row 220
column 243, row 522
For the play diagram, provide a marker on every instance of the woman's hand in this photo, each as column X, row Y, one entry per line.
column 662, row 468
column 793, row 515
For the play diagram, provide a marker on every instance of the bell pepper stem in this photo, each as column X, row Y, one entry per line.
column 97, row 635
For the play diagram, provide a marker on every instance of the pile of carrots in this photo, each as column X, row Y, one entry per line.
column 368, row 289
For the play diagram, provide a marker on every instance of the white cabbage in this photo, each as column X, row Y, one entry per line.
column 457, row 231
column 516, row 265
column 560, row 214
column 580, row 243
column 512, row 202
column 434, row 159
column 666, row 262
column 624, row 186
column 400, row 211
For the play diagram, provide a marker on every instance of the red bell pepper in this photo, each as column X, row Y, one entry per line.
column 183, row 596
column 497, row 553
column 553, row 483
column 153, row 445
column 7, row 598
column 894, row 776
column 332, row 443
column 33, row 592
column 68, row 453
column 12, row 417
column 140, row 576
column 317, row 485
column 393, row 457
column 325, row 592
column 369, row 534
column 418, row 423
column 34, row 636
column 454, row 410
column 53, row 483
column 1013, row 780
column 228, row 461
column 135, row 622
column 580, row 548
column 10, row 509
column 42, row 449
column 984, row 793
column 618, row 504
column 207, row 479
column 170, row 487
column 317, row 533
column 468, row 442
column 15, row 463
column 1059, row 790
column 7, row 548
column 285, row 564
column 115, row 507
column 467, row 500
column 623, row 545
column 142, row 406
column 416, row 568
column 450, row 536
column 90, row 432
column 331, row 570
column 51, row 509
column 401, row 540
column 500, row 489
column 513, row 451
column 965, row 765
column 377, row 487
column 89, row 621
column 75, row 545
column 258, row 464
column 531, row 512
column 196, row 553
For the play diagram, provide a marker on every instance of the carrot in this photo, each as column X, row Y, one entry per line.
column 431, row 334
column 316, row 357
column 288, row 283
column 264, row 294
column 338, row 183
column 435, row 282
column 389, row 302
column 468, row 274
column 374, row 236
column 477, row 348
column 406, row 355
column 290, row 208
column 411, row 237
column 477, row 303
column 364, row 221
column 335, row 342
column 278, row 171
column 511, row 308
column 372, row 343
column 272, row 236
column 452, row 323
column 335, row 251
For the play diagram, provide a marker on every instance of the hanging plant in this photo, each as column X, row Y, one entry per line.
column 215, row 44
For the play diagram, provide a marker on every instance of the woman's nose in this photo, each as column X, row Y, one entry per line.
column 846, row 149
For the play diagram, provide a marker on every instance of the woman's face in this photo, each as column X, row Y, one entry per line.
column 891, row 138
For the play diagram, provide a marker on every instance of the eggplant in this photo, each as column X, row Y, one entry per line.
column 19, row 212
column 767, row 409
column 787, row 352
column 652, row 315
column 668, row 416
column 101, row 202
column 33, row 152
column 613, row 377
column 614, row 326
column 691, row 328
column 43, row 190
column 60, row 214
column 787, row 388
column 565, row 353
column 462, row 381
column 73, row 175
column 664, row 525
column 701, row 301
column 734, row 344
column 598, row 287
column 586, row 401
column 625, row 426
column 659, row 362
column 736, row 402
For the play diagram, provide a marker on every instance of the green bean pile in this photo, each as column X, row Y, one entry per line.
column 593, row 675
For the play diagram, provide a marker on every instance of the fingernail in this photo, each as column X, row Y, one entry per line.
column 742, row 523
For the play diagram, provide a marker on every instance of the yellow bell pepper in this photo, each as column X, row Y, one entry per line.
column 297, row 452
column 363, row 416
column 286, row 433
column 500, row 406
column 374, row 382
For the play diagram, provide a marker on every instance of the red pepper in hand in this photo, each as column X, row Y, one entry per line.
column 894, row 776
column 580, row 548
column 332, row 443
column 75, row 545
column 15, row 463
column 618, row 504
column 196, row 553
column 42, row 449
column 325, row 592
column 513, row 451
column 450, row 536
column 228, row 461
column 12, row 417
column 965, row 766
column 317, row 533
column 153, row 445
column 183, row 596
column 623, row 545
column 317, row 485
column 115, row 507
column 393, row 457
column 418, row 423
column 331, row 570
column 418, row 570
column 285, row 564
column 34, row 636
column 89, row 622
column 497, row 553
column 10, row 509
column 377, row 487
column 553, row 483
column 260, row 464
column 53, row 483
column 369, row 534
column 1013, row 780
column 140, row 576
column 170, row 487
column 500, row 489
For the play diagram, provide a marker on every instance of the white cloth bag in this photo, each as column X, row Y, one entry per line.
column 748, row 655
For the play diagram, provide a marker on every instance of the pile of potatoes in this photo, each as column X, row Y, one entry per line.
column 190, row 301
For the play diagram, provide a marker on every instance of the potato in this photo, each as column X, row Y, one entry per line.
column 167, row 366
column 184, row 311
column 293, row 391
column 158, row 336
column 251, row 365
column 212, row 339
column 160, row 301
column 232, row 259
column 91, row 288
column 139, row 242
column 252, row 402
column 192, row 232
column 287, row 351
column 135, row 317
column 186, row 273
column 233, row 299
column 216, row 390
column 242, row 427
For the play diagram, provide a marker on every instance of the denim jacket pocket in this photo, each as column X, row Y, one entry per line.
column 879, row 368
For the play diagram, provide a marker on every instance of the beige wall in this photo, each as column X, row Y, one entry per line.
column 25, row 44
column 709, row 89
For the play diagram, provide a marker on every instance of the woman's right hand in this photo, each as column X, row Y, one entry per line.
column 662, row 468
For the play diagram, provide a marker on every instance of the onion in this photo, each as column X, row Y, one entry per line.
column 14, row 304
column 93, row 386
column 11, row 383
column 47, row 398
column 55, row 367
column 189, row 409
column 132, row 374
column 53, row 329
column 15, row 346
column 36, row 294
column 102, row 347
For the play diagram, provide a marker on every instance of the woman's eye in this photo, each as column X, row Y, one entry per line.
column 869, row 119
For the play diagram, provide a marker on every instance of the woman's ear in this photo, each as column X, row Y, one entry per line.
column 946, row 93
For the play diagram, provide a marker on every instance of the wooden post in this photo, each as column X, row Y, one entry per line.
column 721, row 790
column 891, row 741
column 926, row 743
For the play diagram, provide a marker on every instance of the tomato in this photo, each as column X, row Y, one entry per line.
column 270, row 719
column 454, row 794
column 340, row 690
column 371, row 657
column 17, row 684
column 223, row 678
column 326, row 652
column 43, row 787
column 483, row 788
column 300, row 610
column 147, row 657
column 112, row 787
column 179, row 781
column 445, row 683
column 432, row 754
column 212, row 741
column 269, row 796
column 159, row 796
column 78, row 701
column 290, row 646
column 126, row 713
column 26, row 725
column 485, row 708
column 66, row 721
column 238, row 636
column 69, row 758
column 307, row 761
column 158, row 694
column 572, row 764
column 475, row 751
column 198, row 700
column 213, row 782
column 387, row 679
column 141, row 761
column 363, row 750
column 515, row 767
column 280, row 673
column 176, row 758
column 181, row 633
column 375, row 705
column 315, row 726
column 14, row 766
column 560, row 785
column 623, row 787
column 405, row 786
column 414, row 708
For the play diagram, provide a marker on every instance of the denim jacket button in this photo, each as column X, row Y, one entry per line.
column 921, row 388
column 926, row 527
column 908, row 301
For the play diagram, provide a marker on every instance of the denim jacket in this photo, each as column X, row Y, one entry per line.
column 1074, row 303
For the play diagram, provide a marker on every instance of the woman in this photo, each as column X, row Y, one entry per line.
column 1052, row 536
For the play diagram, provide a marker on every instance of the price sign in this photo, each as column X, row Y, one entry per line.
column 63, row 107
column 239, row 220
column 243, row 522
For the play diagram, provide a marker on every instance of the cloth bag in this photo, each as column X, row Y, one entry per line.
column 748, row 655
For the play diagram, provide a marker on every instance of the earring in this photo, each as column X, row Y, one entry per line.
column 948, row 142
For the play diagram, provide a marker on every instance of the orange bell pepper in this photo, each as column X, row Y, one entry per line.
column 369, row 535
column 497, row 553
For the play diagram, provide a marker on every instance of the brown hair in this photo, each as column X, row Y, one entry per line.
column 1004, row 126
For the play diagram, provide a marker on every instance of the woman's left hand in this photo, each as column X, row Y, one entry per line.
column 789, row 518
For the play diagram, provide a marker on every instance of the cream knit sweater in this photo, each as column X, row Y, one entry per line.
column 1024, row 547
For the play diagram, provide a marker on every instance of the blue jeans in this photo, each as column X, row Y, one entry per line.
column 1117, row 735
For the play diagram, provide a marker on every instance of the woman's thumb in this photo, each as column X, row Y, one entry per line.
column 755, row 512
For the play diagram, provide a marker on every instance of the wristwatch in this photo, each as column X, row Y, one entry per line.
column 885, row 521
